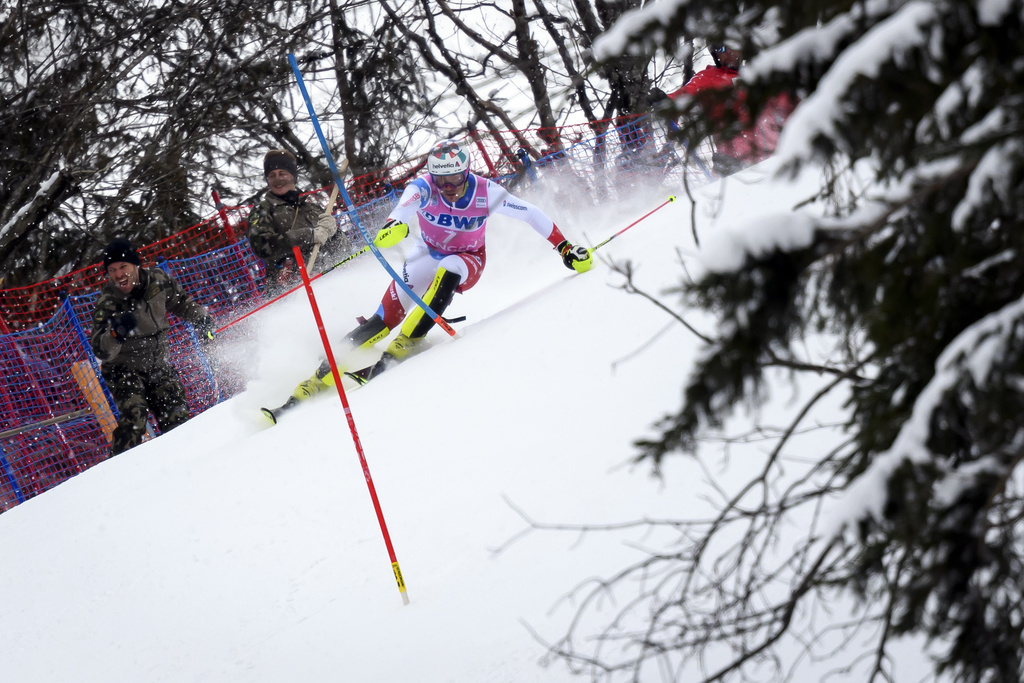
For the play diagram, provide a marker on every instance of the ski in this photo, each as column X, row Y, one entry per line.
column 366, row 374
column 360, row 377
column 274, row 414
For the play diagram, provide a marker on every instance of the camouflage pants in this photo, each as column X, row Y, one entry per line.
column 139, row 392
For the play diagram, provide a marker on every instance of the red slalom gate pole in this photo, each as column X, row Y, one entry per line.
column 223, row 215
column 307, row 283
column 660, row 206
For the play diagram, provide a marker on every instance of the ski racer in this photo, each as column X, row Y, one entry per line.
column 450, row 206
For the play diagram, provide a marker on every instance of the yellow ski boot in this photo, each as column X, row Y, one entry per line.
column 308, row 388
column 402, row 346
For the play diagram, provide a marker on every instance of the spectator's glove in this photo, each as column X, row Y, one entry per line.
column 576, row 258
column 325, row 228
column 206, row 329
column 393, row 232
column 121, row 326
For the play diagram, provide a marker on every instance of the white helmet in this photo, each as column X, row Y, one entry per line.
column 447, row 157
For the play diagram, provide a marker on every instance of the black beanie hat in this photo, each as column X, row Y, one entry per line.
column 120, row 249
column 280, row 159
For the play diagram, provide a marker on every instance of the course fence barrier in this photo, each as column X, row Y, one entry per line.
column 56, row 414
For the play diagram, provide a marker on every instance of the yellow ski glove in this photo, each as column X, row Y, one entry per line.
column 575, row 257
column 393, row 232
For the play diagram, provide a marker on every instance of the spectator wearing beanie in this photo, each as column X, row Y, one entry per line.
column 284, row 219
column 129, row 337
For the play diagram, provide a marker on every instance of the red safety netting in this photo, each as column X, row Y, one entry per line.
column 25, row 307
column 48, row 427
column 55, row 413
column 38, row 459
column 497, row 154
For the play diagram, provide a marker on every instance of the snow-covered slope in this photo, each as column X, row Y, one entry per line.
column 230, row 551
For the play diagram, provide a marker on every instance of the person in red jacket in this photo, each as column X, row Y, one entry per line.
column 721, row 74
column 756, row 141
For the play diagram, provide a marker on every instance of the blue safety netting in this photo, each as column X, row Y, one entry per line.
column 56, row 414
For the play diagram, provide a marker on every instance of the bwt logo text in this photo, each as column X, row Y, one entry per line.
column 447, row 220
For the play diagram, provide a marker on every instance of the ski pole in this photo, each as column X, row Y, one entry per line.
column 663, row 204
column 342, row 261
column 307, row 283
column 351, row 208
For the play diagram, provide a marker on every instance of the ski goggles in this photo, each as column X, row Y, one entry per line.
column 452, row 181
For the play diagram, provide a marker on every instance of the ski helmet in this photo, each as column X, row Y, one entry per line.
column 447, row 157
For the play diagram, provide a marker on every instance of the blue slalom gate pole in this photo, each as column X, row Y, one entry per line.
column 351, row 207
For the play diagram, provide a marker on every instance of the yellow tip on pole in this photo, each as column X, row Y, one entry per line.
column 401, row 582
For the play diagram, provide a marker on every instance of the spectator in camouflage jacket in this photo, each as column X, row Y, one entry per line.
column 283, row 219
column 129, row 337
